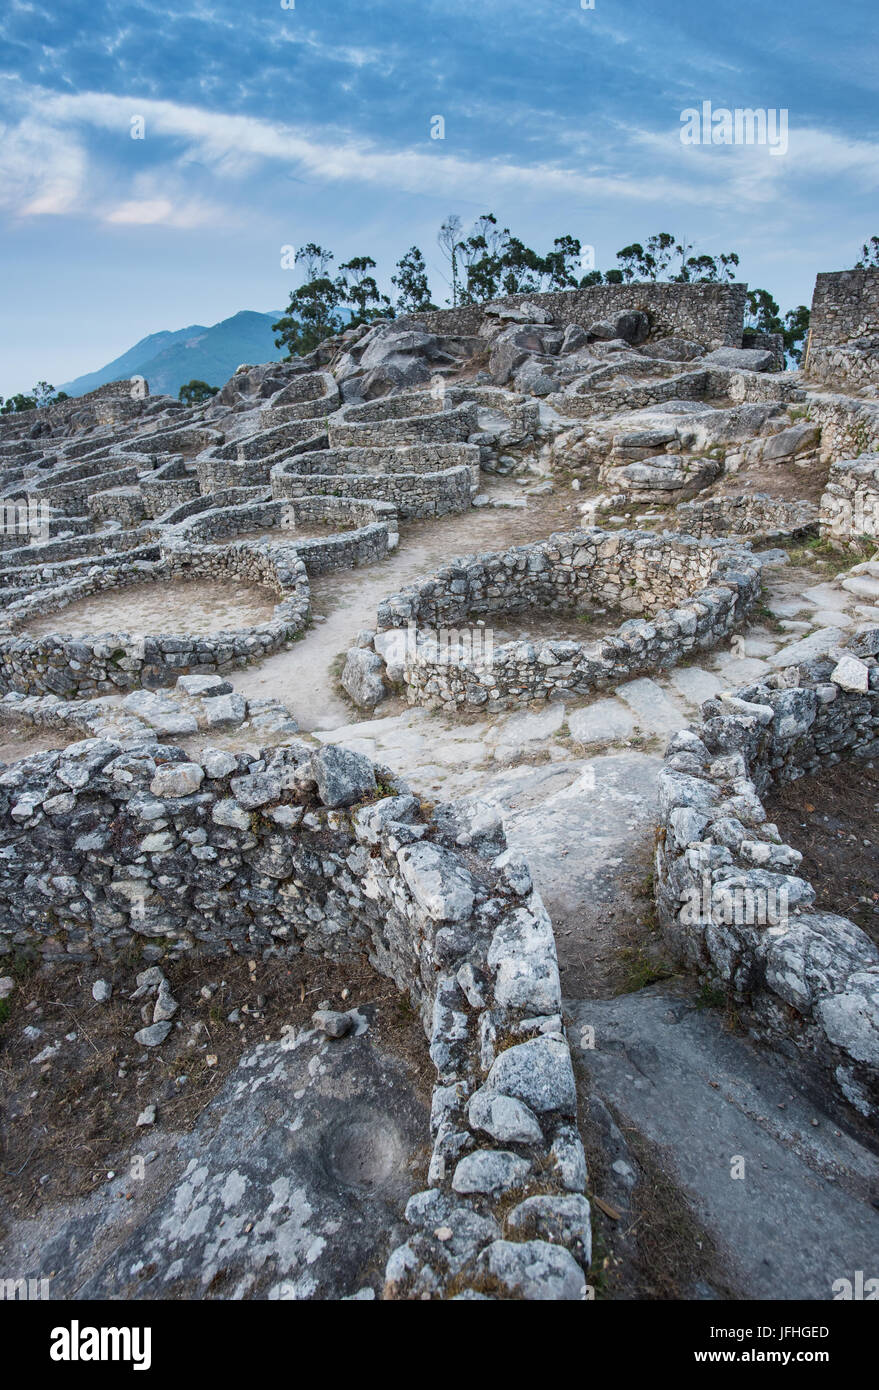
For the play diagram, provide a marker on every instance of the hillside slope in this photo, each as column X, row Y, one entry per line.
column 169, row 359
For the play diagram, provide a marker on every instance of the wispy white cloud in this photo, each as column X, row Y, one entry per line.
column 51, row 161
column 42, row 168
column 234, row 146
column 348, row 55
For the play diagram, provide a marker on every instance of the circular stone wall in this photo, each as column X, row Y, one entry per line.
column 62, row 664
column 693, row 593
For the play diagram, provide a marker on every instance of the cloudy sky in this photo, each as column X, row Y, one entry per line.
column 268, row 126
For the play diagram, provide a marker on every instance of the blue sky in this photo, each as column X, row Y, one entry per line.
column 268, row 126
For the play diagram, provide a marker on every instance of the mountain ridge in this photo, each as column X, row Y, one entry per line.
column 170, row 358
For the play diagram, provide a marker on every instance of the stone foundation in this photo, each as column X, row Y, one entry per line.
column 711, row 314
column 843, row 345
column 850, row 504
column 66, row 665
column 385, row 422
column 714, row 584
column 728, row 899
column 757, row 515
column 293, row 850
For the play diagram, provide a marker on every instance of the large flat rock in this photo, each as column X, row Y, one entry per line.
column 291, row 1186
column 586, row 829
column 655, row 711
column 802, row 1215
column 810, row 648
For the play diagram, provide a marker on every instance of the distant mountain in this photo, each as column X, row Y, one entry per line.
column 169, row 360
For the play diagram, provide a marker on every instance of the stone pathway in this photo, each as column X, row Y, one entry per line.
column 576, row 784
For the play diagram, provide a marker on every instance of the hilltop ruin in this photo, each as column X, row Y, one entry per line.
column 247, row 724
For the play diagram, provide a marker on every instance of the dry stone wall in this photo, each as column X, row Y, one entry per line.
column 413, row 494
column 65, row 665
column 711, row 584
column 754, row 515
column 729, row 901
column 845, row 305
column 843, row 344
column 168, row 487
column 294, row 850
column 123, row 505
column 710, row 314
column 850, row 504
column 384, row 422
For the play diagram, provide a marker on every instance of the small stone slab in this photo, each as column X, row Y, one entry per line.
column 695, row 684
column 154, row 1035
column 851, row 674
column 224, row 711
column 204, row 686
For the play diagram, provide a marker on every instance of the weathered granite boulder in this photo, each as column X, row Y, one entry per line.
column 534, row 379
column 362, row 677
column 391, row 358
column 342, row 775
column 533, row 1269
column 632, row 326
column 740, row 359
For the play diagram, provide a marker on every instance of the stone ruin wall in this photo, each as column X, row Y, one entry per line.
column 843, row 343
column 801, row 975
column 710, row 314
column 110, row 404
column 751, row 516
column 414, row 495
column 713, row 585
column 845, row 305
column 294, row 850
column 743, row 387
column 21, row 564
column 59, row 664
column 850, row 503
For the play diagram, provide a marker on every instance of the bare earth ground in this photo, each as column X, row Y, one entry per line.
column 791, row 484
column 190, row 605
column 833, row 820
column 72, row 1087
column 23, row 741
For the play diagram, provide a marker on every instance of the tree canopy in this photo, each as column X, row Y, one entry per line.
column 41, row 394
column 869, row 259
column 763, row 317
column 488, row 261
column 195, row 391
column 411, row 281
column 323, row 305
